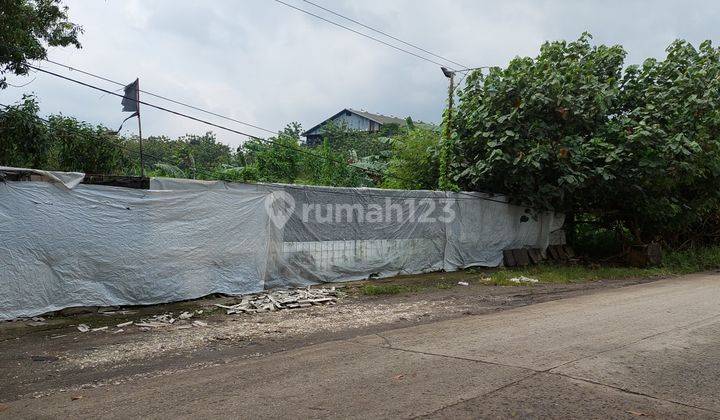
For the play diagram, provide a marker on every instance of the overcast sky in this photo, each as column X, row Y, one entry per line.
column 264, row 63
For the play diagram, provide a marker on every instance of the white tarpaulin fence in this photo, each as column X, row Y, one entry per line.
column 63, row 245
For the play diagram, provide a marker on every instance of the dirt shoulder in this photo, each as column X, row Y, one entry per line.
column 41, row 358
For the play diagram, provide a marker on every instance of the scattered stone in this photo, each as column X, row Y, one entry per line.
column 83, row 328
column 149, row 325
column 199, row 323
column 185, row 315
column 76, row 397
column 118, row 331
column 4, row 407
column 523, row 279
column 156, row 321
column 99, row 329
column 282, row 299
column 38, row 319
column 124, row 324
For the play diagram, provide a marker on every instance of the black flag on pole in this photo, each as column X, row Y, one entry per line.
column 130, row 101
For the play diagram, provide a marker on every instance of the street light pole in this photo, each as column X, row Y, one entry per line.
column 444, row 181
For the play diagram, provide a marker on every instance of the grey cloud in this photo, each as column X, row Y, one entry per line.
column 258, row 61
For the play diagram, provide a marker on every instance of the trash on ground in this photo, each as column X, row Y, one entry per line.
column 156, row 321
column 124, row 324
column 83, row 328
column 185, row 315
column 199, row 323
column 463, row 283
column 282, row 299
column 523, row 279
column 99, row 329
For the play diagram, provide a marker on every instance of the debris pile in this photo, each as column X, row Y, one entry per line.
column 155, row 321
column 283, row 299
column 523, row 279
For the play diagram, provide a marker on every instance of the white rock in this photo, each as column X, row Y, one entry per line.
column 523, row 279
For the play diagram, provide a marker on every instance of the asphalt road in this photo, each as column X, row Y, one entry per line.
column 644, row 350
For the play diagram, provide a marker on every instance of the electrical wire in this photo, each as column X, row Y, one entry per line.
column 360, row 33
column 232, row 130
column 165, row 98
column 157, row 159
column 384, row 33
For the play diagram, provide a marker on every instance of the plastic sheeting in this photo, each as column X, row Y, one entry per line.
column 339, row 234
column 66, row 179
column 96, row 245
column 182, row 239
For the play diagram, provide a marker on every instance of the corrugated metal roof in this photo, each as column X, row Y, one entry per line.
column 378, row 118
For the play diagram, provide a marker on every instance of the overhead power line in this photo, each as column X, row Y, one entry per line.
column 232, row 130
column 384, row 34
column 165, row 98
column 360, row 33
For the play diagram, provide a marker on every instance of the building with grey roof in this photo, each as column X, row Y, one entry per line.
column 354, row 120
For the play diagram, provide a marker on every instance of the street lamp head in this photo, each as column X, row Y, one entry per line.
column 446, row 72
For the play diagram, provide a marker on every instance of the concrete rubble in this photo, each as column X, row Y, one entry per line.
column 523, row 279
column 283, row 299
column 261, row 302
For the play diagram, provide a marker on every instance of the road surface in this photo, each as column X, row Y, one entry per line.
column 645, row 350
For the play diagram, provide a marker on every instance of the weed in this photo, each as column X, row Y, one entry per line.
column 388, row 289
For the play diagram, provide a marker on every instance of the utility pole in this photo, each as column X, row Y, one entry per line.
column 444, row 181
column 137, row 100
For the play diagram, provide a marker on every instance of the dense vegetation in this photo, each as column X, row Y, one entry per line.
column 631, row 153
column 345, row 158
column 633, row 150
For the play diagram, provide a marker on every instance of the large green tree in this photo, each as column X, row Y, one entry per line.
column 575, row 131
column 27, row 28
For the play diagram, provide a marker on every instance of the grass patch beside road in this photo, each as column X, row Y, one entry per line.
column 570, row 274
column 388, row 289
column 674, row 263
